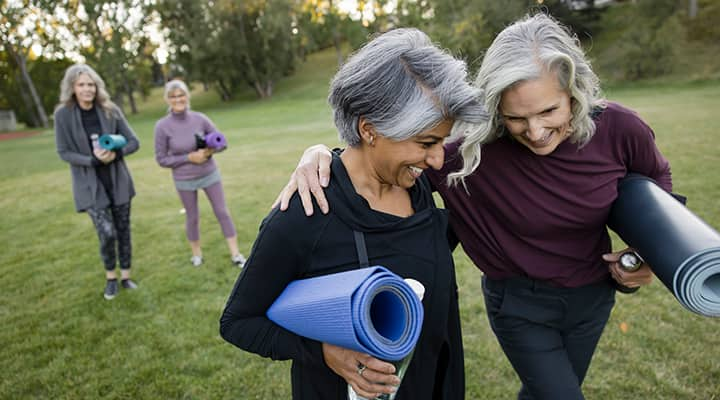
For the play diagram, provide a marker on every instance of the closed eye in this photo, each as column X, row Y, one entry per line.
column 427, row 145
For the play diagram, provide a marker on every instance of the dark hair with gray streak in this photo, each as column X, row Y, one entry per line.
column 403, row 85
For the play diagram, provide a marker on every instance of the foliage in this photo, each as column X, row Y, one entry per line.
column 705, row 27
column 229, row 44
column 654, row 39
column 46, row 74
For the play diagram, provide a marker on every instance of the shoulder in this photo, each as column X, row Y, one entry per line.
column 115, row 111
column 198, row 115
column 292, row 225
column 162, row 122
column 62, row 112
column 615, row 113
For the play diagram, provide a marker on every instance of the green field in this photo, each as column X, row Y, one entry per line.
column 61, row 340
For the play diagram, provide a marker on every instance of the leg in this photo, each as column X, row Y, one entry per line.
column 216, row 196
column 192, row 219
column 121, row 220
column 591, row 309
column 103, row 221
column 528, row 327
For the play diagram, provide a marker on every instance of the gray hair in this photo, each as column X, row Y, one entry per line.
column 524, row 51
column 67, row 90
column 175, row 84
column 403, row 85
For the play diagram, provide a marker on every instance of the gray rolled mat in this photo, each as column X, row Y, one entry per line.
column 682, row 250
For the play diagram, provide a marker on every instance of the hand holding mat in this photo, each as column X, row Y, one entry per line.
column 682, row 250
column 112, row 142
column 370, row 310
column 213, row 140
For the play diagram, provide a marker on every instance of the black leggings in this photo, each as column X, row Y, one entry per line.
column 113, row 228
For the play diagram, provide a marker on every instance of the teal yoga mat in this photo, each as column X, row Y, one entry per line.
column 112, row 142
column 682, row 250
column 370, row 310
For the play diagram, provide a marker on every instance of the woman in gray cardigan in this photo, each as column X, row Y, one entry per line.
column 102, row 185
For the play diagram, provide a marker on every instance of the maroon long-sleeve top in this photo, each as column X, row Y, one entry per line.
column 544, row 217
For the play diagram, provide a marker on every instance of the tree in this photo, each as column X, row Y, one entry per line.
column 264, row 47
column 111, row 38
column 14, row 19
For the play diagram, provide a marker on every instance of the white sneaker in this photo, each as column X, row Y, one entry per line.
column 196, row 261
column 239, row 260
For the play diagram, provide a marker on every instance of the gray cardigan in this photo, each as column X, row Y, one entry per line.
column 73, row 147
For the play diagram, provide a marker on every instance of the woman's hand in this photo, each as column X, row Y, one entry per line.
column 641, row 276
column 105, row 156
column 370, row 381
column 311, row 176
column 199, row 156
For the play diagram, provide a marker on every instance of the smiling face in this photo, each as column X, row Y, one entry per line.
column 84, row 89
column 537, row 113
column 177, row 100
column 400, row 163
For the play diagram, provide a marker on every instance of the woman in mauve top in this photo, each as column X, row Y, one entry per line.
column 193, row 168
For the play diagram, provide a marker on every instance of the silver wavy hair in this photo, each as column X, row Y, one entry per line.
column 521, row 52
column 404, row 85
column 67, row 92
column 174, row 84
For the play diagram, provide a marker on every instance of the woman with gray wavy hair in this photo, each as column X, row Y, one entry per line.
column 102, row 185
column 395, row 101
column 531, row 212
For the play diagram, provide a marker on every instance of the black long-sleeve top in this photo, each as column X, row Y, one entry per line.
column 293, row 246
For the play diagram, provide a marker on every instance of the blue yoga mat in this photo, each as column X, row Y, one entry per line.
column 682, row 250
column 370, row 310
column 112, row 142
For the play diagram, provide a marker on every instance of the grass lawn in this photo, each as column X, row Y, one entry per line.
column 60, row 339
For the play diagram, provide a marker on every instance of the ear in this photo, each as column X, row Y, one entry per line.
column 367, row 131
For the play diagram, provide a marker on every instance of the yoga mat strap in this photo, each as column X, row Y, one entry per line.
column 361, row 249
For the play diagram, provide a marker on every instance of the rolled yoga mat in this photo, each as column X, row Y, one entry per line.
column 682, row 250
column 370, row 310
column 112, row 142
column 215, row 140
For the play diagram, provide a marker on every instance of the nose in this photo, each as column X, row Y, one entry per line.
column 535, row 130
column 435, row 156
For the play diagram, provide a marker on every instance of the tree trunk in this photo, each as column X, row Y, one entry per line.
column 28, row 104
column 693, row 9
column 263, row 90
column 336, row 42
column 129, row 91
column 336, row 35
column 224, row 92
column 38, row 107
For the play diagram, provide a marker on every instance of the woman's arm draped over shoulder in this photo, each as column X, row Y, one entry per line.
column 310, row 177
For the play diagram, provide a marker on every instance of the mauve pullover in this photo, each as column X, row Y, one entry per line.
column 543, row 217
column 175, row 139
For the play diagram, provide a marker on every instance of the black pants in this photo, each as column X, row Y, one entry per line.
column 549, row 334
column 113, row 229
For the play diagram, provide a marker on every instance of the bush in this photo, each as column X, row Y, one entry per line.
column 642, row 53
